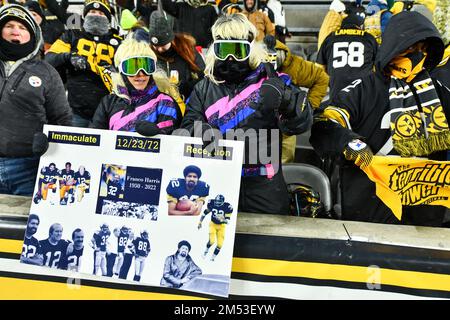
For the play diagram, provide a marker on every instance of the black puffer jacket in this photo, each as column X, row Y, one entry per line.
column 31, row 95
column 227, row 106
column 187, row 78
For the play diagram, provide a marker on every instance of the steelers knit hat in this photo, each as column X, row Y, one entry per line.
column 102, row 5
column 17, row 13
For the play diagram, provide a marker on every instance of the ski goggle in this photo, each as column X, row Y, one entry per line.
column 238, row 49
column 131, row 66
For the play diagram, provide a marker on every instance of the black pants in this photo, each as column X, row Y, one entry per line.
column 127, row 260
column 110, row 261
column 262, row 195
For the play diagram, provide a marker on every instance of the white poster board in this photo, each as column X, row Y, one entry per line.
column 107, row 212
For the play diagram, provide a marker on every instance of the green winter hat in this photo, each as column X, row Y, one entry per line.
column 127, row 20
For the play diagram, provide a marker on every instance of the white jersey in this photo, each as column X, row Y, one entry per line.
column 112, row 244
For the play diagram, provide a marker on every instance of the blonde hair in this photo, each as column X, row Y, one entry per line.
column 234, row 26
column 131, row 47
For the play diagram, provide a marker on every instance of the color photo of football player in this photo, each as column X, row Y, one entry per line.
column 66, row 184
column 83, row 182
column 31, row 247
column 187, row 196
column 72, row 259
column 54, row 248
column 98, row 243
column 112, row 182
column 47, row 180
column 141, row 249
column 220, row 215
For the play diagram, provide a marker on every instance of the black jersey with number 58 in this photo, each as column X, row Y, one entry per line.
column 348, row 54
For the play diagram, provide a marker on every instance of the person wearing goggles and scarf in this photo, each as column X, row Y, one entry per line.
column 398, row 110
column 241, row 93
column 138, row 102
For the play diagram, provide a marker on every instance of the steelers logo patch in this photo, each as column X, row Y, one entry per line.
column 154, row 40
column 405, row 125
column 35, row 81
column 96, row 5
column 438, row 118
column 113, row 42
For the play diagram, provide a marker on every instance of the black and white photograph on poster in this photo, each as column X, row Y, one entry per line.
column 52, row 251
column 130, row 210
column 129, row 192
column 182, row 272
column 186, row 196
column 62, row 186
column 110, row 221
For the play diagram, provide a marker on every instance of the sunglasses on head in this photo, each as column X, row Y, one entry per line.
column 131, row 66
column 238, row 49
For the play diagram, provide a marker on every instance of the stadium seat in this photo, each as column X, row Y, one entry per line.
column 311, row 176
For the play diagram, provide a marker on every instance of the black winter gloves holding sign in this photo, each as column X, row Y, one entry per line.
column 147, row 129
column 276, row 95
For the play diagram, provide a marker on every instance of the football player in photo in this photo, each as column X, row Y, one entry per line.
column 128, row 256
column 122, row 241
column 54, row 248
column 47, row 180
column 72, row 258
column 98, row 243
column 141, row 248
column 114, row 188
column 66, row 184
column 220, row 216
column 112, row 248
column 187, row 195
column 31, row 247
column 82, row 182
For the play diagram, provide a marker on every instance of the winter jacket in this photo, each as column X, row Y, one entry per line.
column 227, row 106
column 31, row 95
column 118, row 112
column 194, row 21
column 303, row 74
column 357, row 112
column 378, row 18
column 186, row 77
column 175, row 270
column 442, row 71
column 85, row 88
column 261, row 22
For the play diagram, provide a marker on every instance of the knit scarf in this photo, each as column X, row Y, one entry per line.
column 418, row 123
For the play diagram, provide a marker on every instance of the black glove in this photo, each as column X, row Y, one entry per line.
column 147, row 129
column 358, row 152
column 270, row 42
column 78, row 62
column 276, row 95
column 40, row 143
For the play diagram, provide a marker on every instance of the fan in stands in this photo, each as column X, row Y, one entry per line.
column 184, row 205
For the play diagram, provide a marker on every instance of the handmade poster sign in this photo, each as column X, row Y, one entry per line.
column 159, row 211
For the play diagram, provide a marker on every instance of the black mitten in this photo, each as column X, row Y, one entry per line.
column 147, row 129
column 40, row 143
